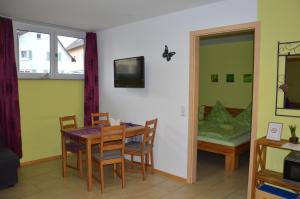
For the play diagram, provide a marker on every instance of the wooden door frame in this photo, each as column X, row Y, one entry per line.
column 195, row 38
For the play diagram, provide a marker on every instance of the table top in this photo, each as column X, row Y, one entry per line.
column 95, row 132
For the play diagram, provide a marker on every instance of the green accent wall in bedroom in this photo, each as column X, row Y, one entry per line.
column 222, row 56
column 279, row 22
column 41, row 104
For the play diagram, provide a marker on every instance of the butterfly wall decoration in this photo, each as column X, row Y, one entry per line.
column 166, row 54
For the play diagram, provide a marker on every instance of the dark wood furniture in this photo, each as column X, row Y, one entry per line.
column 99, row 118
column 72, row 145
column 143, row 149
column 263, row 175
column 231, row 153
column 111, row 151
column 91, row 136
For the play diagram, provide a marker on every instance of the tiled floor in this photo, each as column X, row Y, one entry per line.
column 44, row 181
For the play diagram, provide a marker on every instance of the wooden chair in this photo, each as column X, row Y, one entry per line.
column 72, row 145
column 143, row 149
column 111, row 151
column 100, row 118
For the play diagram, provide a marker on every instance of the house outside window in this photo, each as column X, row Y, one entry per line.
column 26, row 54
column 49, row 53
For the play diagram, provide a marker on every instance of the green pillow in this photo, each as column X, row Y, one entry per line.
column 244, row 118
column 219, row 114
column 200, row 113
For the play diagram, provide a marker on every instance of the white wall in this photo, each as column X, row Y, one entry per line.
column 167, row 86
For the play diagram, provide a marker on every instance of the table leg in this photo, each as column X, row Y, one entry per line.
column 89, row 165
column 64, row 155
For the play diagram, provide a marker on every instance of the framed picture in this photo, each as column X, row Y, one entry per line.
column 247, row 78
column 230, row 78
column 214, row 77
column 274, row 131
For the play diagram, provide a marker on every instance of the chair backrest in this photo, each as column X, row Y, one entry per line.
column 68, row 122
column 150, row 130
column 112, row 138
column 99, row 118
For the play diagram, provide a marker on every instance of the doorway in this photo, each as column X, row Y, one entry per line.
column 195, row 39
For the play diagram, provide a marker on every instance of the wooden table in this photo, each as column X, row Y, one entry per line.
column 90, row 136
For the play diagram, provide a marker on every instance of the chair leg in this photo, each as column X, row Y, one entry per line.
column 123, row 173
column 152, row 162
column 101, row 178
column 143, row 166
column 131, row 161
column 77, row 160
column 115, row 171
column 99, row 172
column 79, row 163
column 147, row 162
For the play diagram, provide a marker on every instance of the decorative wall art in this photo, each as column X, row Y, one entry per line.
column 274, row 131
column 230, row 78
column 214, row 78
column 247, row 78
column 166, row 54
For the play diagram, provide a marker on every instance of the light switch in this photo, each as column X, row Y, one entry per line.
column 182, row 111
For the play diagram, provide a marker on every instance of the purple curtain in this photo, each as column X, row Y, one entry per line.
column 10, row 128
column 91, row 85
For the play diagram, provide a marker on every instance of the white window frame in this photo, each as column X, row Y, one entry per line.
column 53, row 32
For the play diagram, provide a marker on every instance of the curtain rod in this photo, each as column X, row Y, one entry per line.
column 42, row 23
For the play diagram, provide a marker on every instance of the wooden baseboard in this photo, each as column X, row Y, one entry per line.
column 163, row 173
column 170, row 176
column 55, row 157
column 157, row 171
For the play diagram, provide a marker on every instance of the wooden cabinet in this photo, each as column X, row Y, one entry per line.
column 263, row 175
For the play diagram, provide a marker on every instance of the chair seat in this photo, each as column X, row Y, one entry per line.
column 137, row 147
column 108, row 155
column 75, row 146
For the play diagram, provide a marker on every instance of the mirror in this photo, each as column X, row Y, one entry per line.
column 288, row 79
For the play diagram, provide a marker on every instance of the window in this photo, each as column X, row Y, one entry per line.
column 59, row 57
column 47, row 52
column 70, row 55
column 28, row 46
column 48, row 56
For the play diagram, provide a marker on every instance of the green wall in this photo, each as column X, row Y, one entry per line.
column 279, row 22
column 41, row 104
column 233, row 57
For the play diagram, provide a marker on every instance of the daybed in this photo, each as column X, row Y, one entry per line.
column 228, row 135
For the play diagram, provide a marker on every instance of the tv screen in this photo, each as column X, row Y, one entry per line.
column 129, row 72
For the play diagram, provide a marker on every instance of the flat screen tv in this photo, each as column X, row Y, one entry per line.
column 129, row 72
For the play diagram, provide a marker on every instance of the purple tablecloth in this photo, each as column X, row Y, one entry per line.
column 83, row 131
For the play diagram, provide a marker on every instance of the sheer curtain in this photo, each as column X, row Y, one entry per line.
column 10, row 128
column 91, row 83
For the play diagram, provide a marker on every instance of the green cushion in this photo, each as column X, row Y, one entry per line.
column 221, row 131
column 219, row 114
column 244, row 118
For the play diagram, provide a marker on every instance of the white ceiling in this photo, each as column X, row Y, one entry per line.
column 92, row 14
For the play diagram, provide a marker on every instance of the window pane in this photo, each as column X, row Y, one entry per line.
column 70, row 55
column 32, row 51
